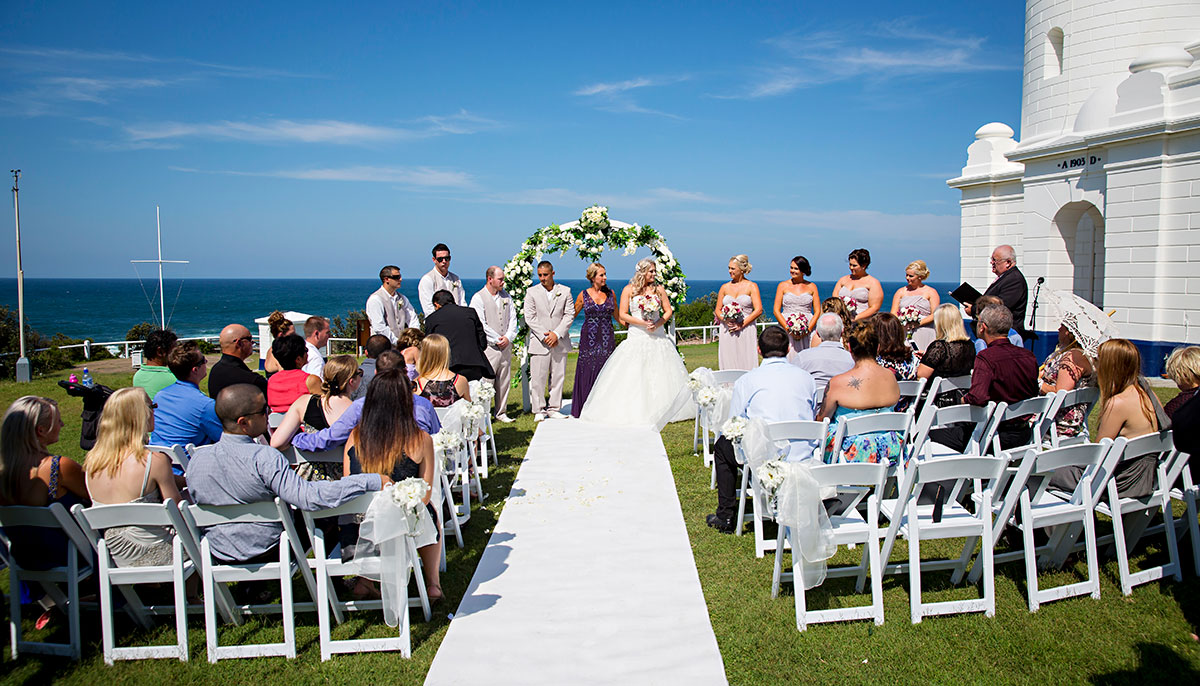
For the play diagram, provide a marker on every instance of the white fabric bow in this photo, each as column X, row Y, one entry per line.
column 386, row 525
column 796, row 501
column 711, row 398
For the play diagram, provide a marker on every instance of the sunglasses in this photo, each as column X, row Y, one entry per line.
column 265, row 409
column 442, row 259
column 394, row 276
column 246, row 339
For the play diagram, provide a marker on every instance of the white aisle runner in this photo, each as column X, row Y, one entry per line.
column 588, row 577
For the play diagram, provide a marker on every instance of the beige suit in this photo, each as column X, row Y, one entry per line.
column 547, row 311
column 499, row 319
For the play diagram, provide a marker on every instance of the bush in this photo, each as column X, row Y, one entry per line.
column 46, row 361
column 345, row 328
column 139, row 333
column 698, row 312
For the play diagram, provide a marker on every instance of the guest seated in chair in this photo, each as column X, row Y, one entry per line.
column 951, row 354
column 409, row 346
column 1003, row 373
column 775, row 391
column 389, row 442
column 866, row 389
column 237, row 345
column 827, row 357
column 284, row 387
column 435, row 381
column 376, row 346
column 1129, row 408
column 239, row 471
column 311, row 413
column 280, row 326
column 1066, row 369
column 154, row 375
column 1183, row 367
column 121, row 470
column 980, row 305
column 184, row 414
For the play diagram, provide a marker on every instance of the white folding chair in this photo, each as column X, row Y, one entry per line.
column 327, row 569
column 944, row 384
column 1131, row 516
column 819, row 397
column 722, row 377
column 872, row 423
column 1040, row 408
column 213, row 572
column 275, row 419
column 94, row 521
column 180, row 455
column 1040, row 510
column 335, row 455
column 78, row 567
column 1189, row 493
column 849, row 528
column 934, row 417
column 912, row 390
column 464, row 474
column 1088, row 397
column 750, row 488
column 921, row 522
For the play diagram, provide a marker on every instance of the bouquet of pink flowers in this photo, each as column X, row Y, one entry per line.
column 732, row 313
column 910, row 316
column 851, row 305
column 797, row 324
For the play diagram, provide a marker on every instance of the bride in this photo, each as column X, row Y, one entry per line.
column 644, row 382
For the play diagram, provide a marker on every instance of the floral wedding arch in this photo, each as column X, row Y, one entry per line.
column 589, row 236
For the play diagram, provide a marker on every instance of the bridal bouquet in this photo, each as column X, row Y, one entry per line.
column 732, row 313
column 910, row 316
column 649, row 307
column 797, row 324
column 734, row 429
column 851, row 305
column 771, row 475
column 594, row 218
column 409, row 496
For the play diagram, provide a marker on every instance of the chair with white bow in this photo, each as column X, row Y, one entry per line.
column 812, row 431
column 849, row 527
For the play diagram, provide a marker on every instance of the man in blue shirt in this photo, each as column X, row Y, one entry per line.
column 981, row 304
column 774, row 392
column 182, row 413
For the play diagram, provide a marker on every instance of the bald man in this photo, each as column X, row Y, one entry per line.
column 236, row 346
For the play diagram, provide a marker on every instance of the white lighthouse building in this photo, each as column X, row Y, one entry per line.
column 1101, row 193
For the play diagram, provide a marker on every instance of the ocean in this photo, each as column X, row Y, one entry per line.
column 105, row 309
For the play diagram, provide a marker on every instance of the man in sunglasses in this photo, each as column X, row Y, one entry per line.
column 387, row 309
column 440, row 278
column 237, row 345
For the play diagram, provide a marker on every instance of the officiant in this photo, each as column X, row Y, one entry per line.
column 1009, row 286
column 462, row 328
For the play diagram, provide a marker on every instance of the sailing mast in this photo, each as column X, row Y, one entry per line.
column 162, row 308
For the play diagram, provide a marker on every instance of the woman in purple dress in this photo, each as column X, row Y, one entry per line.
column 596, row 340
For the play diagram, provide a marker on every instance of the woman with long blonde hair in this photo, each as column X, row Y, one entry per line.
column 644, row 382
column 435, row 381
column 121, row 470
column 739, row 304
column 950, row 354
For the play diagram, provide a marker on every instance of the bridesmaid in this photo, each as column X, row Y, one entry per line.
column 925, row 298
column 797, row 294
column 737, row 342
column 864, row 290
column 596, row 340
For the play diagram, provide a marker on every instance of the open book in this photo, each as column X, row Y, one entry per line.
column 966, row 294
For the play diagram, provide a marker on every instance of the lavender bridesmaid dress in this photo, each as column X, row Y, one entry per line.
column 596, row 343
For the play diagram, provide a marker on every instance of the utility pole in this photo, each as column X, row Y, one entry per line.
column 23, row 374
column 162, row 309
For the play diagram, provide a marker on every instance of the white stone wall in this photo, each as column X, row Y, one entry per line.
column 1100, row 39
column 991, row 216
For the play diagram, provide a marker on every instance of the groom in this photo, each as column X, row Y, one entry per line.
column 548, row 313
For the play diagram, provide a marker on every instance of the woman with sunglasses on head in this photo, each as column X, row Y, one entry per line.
column 121, row 470
column 311, row 413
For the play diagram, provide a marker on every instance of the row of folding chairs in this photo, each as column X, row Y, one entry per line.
column 88, row 553
column 1011, row 489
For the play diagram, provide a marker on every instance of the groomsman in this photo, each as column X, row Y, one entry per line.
column 387, row 309
column 495, row 308
column 548, row 312
column 440, row 278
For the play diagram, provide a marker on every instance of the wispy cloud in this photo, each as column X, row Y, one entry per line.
column 565, row 197
column 617, row 96
column 422, row 177
column 320, row 131
column 888, row 49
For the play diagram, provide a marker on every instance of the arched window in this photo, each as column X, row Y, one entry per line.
column 1053, row 61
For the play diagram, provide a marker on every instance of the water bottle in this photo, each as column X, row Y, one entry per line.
column 87, row 381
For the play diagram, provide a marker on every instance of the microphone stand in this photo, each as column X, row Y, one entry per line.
column 1037, row 290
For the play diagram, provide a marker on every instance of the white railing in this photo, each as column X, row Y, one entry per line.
column 87, row 345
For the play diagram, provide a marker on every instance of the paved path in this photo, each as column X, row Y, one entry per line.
column 588, row 577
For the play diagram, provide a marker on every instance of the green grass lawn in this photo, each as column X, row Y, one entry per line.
column 1111, row 640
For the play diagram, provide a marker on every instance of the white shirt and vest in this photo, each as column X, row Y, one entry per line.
column 389, row 314
column 497, row 313
column 433, row 282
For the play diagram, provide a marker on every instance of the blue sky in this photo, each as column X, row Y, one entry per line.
column 302, row 139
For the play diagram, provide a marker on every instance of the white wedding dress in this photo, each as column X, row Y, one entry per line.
column 643, row 383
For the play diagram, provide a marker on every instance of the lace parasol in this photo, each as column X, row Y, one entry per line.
column 1088, row 323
